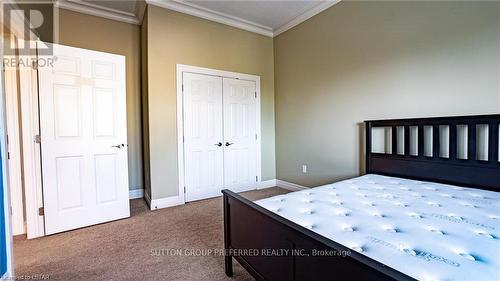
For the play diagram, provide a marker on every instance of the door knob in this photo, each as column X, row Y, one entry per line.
column 218, row 144
column 229, row 143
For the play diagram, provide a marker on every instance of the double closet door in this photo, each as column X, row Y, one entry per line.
column 220, row 135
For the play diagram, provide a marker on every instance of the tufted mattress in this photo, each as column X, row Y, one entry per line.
column 426, row 230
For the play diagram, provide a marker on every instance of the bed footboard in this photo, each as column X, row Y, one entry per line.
column 271, row 247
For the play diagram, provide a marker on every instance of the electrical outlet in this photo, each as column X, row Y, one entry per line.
column 304, row 169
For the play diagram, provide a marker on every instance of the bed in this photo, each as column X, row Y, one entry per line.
column 413, row 216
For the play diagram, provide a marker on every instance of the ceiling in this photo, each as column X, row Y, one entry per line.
column 272, row 14
column 127, row 6
column 267, row 17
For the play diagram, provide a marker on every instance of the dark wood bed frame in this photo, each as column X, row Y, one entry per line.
column 251, row 232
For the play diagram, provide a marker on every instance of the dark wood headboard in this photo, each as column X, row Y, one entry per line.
column 469, row 172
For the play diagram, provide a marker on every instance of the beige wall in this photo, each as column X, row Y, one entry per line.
column 96, row 33
column 175, row 38
column 371, row 60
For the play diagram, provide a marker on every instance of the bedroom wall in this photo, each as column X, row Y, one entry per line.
column 175, row 38
column 100, row 34
column 374, row 60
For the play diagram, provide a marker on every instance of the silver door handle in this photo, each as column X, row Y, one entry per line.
column 229, row 143
column 218, row 144
column 118, row 145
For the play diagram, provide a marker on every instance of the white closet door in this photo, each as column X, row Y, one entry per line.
column 240, row 144
column 203, row 147
column 83, row 139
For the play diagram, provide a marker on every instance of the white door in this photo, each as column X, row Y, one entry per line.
column 240, row 135
column 83, row 139
column 203, row 138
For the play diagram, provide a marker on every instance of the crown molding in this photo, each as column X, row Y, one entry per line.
column 190, row 9
column 305, row 16
column 208, row 14
column 140, row 9
column 17, row 21
column 97, row 10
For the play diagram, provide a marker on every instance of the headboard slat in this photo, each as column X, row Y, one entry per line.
column 421, row 140
column 493, row 141
column 453, row 142
column 464, row 172
column 436, row 141
column 394, row 140
column 471, row 143
column 407, row 140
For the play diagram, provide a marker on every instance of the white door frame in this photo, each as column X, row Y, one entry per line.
column 180, row 122
column 35, row 225
column 14, row 150
column 5, row 176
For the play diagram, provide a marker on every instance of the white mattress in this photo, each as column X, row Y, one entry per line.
column 426, row 230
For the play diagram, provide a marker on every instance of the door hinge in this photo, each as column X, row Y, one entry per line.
column 41, row 211
column 38, row 139
column 182, row 88
column 184, row 190
column 256, row 178
column 255, row 94
column 8, row 155
column 256, row 137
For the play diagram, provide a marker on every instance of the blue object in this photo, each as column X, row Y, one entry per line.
column 3, row 240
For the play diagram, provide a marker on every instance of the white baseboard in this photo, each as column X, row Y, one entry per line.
column 155, row 204
column 136, row 193
column 290, row 186
column 266, row 184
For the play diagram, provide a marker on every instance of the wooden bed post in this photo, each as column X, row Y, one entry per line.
column 228, row 259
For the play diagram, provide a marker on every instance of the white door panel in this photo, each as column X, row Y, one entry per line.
column 203, row 157
column 240, row 151
column 83, row 127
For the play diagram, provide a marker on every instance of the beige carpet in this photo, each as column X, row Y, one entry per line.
column 122, row 250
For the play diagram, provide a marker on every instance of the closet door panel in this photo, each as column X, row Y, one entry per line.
column 203, row 136
column 240, row 145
